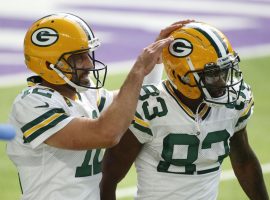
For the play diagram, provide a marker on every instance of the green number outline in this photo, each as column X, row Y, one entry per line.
column 193, row 148
column 151, row 90
column 46, row 92
column 156, row 112
column 167, row 153
column 147, row 89
column 40, row 92
column 86, row 169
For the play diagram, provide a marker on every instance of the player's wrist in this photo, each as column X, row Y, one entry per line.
column 138, row 69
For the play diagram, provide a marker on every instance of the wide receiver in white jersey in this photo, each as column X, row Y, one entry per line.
column 186, row 125
column 64, row 119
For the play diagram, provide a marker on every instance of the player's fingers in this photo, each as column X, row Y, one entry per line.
column 162, row 43
column 151, row 54
column 158, row 44
column 176, row 25
column 166, row 31
column 186, row 21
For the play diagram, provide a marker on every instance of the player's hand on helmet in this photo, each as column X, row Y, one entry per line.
column 148, row 58
column 164, row 33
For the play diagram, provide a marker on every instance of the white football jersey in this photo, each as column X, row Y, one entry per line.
column 46, row 172
column 182, row 151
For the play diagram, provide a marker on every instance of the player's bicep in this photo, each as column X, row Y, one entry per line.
column 118, row 159
column 66, row 137
column 240, row 149
column 81, row 134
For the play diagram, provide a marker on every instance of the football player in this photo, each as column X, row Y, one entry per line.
column 186, row 125
column 65, row 117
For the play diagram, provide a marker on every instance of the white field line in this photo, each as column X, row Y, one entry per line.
column 225, row 176
column 8, row 8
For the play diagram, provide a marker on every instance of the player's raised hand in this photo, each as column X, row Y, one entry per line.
column 164, row 33
column 149, row 56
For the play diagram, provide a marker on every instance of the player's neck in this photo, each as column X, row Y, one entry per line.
column 192, row 104
column 64, row 90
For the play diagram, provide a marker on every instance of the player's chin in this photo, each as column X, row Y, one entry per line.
column 216, row 93
column 85, row 82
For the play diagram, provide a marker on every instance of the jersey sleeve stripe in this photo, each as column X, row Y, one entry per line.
column 41, row 118
column 140, row 122
column 68, row 102
column 246, row 116
column 141, row 125
column 101, row 103
column 142, row 128
column 40, row 125
column 44, row 127
column 251, row 103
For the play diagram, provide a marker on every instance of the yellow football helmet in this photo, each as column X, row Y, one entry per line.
column 51, row 40
column 200, row 63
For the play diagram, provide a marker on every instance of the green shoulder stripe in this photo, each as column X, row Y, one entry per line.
column 42, row 123
column 246, row 116
column 68, row 102
column 141, row 125
column 138, row 115
column 41, row 118
column 41, row 130
column 101, row 104
column 142, row 128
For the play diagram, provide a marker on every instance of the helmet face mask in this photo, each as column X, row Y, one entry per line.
column 92, row 76
column 202, row 64
column 218, row 82
column 52, row 40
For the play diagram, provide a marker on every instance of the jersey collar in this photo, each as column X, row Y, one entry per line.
column 203, row 111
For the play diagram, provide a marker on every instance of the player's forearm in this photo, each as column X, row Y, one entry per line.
column 113, row 171
column 119, row 115
column 107, row 130
column 107, row 190
column 250, row 177
column 127, row 97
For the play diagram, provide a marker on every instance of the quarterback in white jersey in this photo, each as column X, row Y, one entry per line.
column 38, row 113
column 186, row 125
column 65, row 118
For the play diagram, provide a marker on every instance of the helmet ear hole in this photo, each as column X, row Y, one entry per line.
column 48, row 65
column 173, row 73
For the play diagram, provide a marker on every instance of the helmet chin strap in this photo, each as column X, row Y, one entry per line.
column 77, row 87
column 190, row 64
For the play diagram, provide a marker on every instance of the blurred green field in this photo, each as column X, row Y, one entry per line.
column 256, row 73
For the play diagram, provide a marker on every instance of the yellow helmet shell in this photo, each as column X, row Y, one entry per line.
column 51, row 38
column 201, row 44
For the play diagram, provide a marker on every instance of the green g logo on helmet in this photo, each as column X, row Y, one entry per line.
column 44, row 37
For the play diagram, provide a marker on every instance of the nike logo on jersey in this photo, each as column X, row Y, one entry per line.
column 43, row 106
